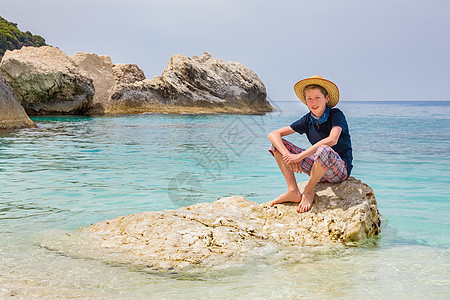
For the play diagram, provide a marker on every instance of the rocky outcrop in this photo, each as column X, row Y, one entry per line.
column 105, row 76
column 195, row 85
column 232, row 229
column 187, row 85
column 127, row 73
column 12, row 114
column 99, row 69
column 46, row 81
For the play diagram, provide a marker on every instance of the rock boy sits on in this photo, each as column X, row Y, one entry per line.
column 329, row 159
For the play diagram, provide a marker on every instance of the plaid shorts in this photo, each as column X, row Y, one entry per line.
column 336, row 170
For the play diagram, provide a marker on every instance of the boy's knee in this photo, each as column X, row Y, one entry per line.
column 323, row 148
column 323, row 153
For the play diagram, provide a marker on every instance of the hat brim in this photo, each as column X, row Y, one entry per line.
column 332, row 89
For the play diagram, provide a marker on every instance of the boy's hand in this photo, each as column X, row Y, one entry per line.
column 296, row 167
column 290, row 158
column 293, row 161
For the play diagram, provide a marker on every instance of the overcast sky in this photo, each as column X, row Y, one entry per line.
column 373, row 50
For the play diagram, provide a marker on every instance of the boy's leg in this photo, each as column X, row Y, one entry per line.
column 293, row 193
column 329, row 167
column 317, row 173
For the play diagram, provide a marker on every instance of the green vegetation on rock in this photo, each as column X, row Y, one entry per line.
column 12, row 38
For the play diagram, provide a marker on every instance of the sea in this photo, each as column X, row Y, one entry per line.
column 73, row 171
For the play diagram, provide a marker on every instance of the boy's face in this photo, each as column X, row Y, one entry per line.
column 316, row 101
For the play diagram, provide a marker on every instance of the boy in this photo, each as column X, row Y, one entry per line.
column 329, row 159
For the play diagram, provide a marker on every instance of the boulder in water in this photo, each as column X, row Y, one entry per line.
column 12, row 114
column 196, row 85
column 46, row 81
column 233, row 229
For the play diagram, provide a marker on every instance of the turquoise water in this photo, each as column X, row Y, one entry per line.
column 73, row 171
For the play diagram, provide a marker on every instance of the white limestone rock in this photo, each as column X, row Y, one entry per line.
column 105, row 76
column 99, row 69
column 46, row 81
column 12, row 114
column 197, row 85
column 127, row 73
column 231, row 229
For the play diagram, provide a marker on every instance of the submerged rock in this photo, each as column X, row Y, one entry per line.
column 195, row 85
column 46, row 81
column 12, row 114
column 234, row 229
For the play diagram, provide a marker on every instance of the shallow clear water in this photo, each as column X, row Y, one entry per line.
column 73, row 171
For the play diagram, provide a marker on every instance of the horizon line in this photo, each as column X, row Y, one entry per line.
column 370, row 100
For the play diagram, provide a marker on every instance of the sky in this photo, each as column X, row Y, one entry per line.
column 373, row 50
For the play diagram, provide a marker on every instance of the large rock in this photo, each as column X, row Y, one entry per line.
column 231, row 229
column 46, row 81
column 12, row 114
column 99, row 68
column 127, row 73
column 195, row 85
column 105, row 76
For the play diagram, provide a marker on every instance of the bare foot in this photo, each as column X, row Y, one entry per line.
column 307, row 201
column 288, row 197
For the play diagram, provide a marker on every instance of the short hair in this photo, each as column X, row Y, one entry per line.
column 315, row 86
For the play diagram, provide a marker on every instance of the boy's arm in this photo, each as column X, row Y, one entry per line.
column 275, row 138
column 331, row 140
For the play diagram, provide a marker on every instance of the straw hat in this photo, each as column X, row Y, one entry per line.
column 332, row 89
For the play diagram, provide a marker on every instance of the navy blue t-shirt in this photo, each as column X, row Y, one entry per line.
column 317, row 130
